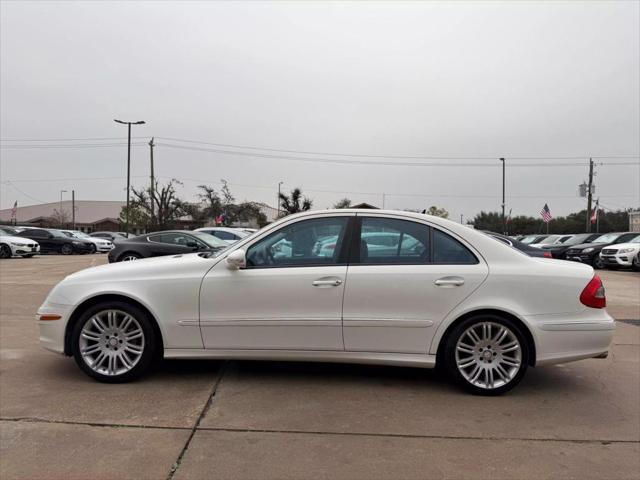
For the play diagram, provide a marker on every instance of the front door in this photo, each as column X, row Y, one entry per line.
column 404, row 278
column 289, row 296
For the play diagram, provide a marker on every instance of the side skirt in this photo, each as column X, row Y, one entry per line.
column 375, row 358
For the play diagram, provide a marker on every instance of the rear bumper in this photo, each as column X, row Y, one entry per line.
column 568, row 337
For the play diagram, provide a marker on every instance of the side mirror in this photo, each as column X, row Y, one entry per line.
column 236, row 259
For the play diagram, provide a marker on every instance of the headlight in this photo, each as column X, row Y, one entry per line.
column 626, row 250
column 588, row 250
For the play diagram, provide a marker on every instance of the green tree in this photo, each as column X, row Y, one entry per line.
column 294, row 203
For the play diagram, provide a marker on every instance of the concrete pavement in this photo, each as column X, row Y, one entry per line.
column 201, row 419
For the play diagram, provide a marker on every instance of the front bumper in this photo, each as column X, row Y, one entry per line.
column 22, row 250
column 619, row 260
column 52, row 331
column 579, row 257
column 104, row 248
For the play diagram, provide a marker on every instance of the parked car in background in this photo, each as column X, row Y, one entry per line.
column 54, row 241
column 551, row 240
column 170, row 242
column 463, row 300
column 523, row 247
column 228, row 234
column 12, row 245
column 558, row 250
column 113, row 237
column 99, row 244
column 621, row 255
column 590, row 252
column 7, row 230
column 531, row 239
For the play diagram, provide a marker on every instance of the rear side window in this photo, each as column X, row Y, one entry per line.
column 222, row 235
column 447, row 249
column 393, row 241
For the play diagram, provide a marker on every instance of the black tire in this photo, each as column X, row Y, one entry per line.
column 130, row 256
column 93, row 249
column 5, row 251
column 451, row 365
column 597, row 262
column 150, row 348
column 635, row 264
column 66, row 249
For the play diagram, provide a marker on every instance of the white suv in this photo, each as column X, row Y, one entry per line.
column 622, row 254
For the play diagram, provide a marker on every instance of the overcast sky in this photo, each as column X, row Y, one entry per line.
column 478, row 80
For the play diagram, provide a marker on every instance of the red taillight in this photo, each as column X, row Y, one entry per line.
column 593, row 294
column 547, row 255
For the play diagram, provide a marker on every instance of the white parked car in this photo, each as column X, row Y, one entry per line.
column 480, row 308
column 101, row 245
column 12, row 246
column 228, row 234
column 551, row 240
column 622, row 254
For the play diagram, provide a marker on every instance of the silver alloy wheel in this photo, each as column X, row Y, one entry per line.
column 111, row 342
column 488, row 355
column 129, row 258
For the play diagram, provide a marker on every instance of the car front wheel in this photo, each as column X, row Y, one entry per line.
column 597, row 262
column 486, row 355
column 114, row 342
column 5, row 251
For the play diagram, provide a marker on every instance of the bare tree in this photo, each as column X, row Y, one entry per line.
column 59, row 217
column 344, row 203
column 168, row 207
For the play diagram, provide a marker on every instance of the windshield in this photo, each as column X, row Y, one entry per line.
column 80, row 235
column 529, row 239
column 8, row 231
column 210, row 240
column 551, row 239
column 607, row 238
column 58, row 234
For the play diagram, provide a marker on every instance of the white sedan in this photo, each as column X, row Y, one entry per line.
column 13, row 246
column 443, row 295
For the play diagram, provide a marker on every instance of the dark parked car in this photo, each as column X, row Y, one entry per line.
column 559, row 250
column 523, row 247
column 111, row 236
column 590, row 252
column 54, row 241
column 531, row 239
column 164, row 243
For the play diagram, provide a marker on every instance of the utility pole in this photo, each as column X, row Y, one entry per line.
column 461, row 219
column 278, row 203
column 151, row 189
column 589, row 190
column 383, row 200
column 73, row 209
column 128, row 124
column 504, row 219
column 60, row 212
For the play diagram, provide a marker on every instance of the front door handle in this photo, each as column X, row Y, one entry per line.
column 327, row 283
column 449, row 282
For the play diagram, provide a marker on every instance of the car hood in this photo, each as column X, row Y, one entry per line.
column 625, row 245
column 15, row 239
column 145, row 268
column 581, row 246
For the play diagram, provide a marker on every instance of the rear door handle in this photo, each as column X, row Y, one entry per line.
column 327, row 283
column 449, row 282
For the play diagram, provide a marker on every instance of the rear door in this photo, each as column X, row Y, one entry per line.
column 396, row 295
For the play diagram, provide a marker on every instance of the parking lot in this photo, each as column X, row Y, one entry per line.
column 207, row 419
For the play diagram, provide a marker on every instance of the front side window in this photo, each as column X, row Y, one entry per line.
column 308, row 242
column 389, row 241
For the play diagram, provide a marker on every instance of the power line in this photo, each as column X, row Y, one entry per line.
column 72, row 146
column 61, row 139
column 372, row 163
column 23, row 193
column 404, row 157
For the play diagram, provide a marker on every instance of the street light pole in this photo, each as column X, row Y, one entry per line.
column 60, row 212
column 140, row 122
column 279, row 183
column 151, row 192
column 504, row 219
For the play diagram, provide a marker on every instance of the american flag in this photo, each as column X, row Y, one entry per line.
column 546, row 213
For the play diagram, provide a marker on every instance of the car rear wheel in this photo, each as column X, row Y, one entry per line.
column 66, row 249
column 93, row 249
column 129, row 257
column 5, row 251
column 486, row 355
column 114, row 342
